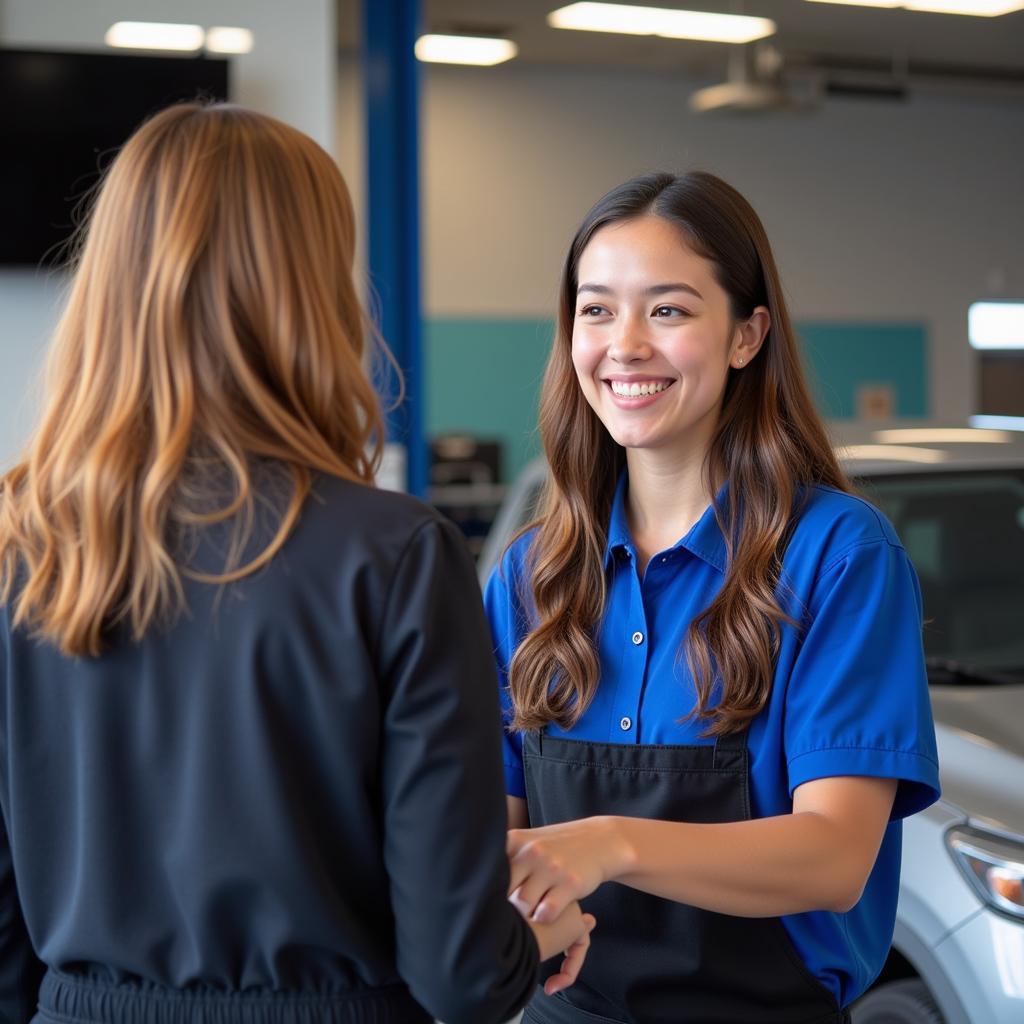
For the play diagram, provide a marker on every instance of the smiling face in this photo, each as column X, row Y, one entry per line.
column 654, row 337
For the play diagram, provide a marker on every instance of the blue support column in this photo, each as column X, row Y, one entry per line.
column 390, row 29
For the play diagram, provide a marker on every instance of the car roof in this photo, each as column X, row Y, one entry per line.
column 927, row 446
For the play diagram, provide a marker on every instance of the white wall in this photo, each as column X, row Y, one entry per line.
column 876, row 210
column 290, row 73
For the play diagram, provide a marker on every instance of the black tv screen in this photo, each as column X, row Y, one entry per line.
column 62, row 118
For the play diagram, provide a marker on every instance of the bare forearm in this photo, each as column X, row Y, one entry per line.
column 761, row 868
column 816, row 858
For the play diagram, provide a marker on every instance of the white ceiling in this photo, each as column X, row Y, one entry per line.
column 820, row 35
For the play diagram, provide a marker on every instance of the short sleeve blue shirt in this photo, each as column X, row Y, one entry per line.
column 850, row 693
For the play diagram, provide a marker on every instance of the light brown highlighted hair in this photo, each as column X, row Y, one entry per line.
column 212, row 321
column 768, row 445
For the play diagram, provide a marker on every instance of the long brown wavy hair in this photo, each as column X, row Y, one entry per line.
column 769, row 445
column 212, row 325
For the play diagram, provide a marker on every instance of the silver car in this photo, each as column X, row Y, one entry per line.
column 956, row 497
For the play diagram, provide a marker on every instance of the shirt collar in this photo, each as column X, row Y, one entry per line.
column 704, row 538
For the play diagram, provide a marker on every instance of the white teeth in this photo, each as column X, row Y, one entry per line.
column 634, row 390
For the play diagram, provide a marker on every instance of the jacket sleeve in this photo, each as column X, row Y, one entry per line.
column 20, row 970
column 464, row 951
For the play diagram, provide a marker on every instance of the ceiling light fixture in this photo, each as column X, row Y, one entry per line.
column 223, row 39
column 996, row 325
column 661, row 21
column 482, row 51
column 976, row 8
column 154, row 35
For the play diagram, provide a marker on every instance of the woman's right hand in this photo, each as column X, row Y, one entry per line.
column 569, row 934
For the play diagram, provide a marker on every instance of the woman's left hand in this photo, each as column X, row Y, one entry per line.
column 555, row 864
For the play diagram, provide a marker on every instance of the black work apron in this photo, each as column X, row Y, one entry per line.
column 652, row 960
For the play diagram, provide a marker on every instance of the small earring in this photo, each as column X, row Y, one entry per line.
column 741, row 362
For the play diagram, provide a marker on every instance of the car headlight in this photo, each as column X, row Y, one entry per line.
column 993, row 864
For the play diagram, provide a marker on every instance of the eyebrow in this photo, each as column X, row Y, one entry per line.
column 655, row 289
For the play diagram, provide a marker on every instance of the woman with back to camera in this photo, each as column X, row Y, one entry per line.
column 715, row 689
column 250, row 774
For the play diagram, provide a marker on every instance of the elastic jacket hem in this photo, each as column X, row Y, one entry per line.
column 68, row 1000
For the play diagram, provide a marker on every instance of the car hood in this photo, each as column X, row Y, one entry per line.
column 980, row 732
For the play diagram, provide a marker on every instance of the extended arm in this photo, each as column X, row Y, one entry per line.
column 465, row 953
column 859, row 750
column 816, row 858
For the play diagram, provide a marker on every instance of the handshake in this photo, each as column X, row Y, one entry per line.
column 569, row 933
column 547, row 894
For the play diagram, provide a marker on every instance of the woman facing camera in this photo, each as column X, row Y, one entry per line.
column 250, row 768
column 714, row 683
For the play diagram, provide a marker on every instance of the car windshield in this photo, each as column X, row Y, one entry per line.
column 964, row 533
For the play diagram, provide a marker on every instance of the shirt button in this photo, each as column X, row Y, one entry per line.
column 638, row 638
column 625, row 723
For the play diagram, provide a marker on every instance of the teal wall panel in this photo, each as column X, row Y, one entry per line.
column 483, row 375
column 842, row 357
column 483, row 378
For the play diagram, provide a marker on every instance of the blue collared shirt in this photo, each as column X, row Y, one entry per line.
column 850, row 694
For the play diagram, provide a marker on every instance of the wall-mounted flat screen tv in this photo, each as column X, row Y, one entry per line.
column 63, row 117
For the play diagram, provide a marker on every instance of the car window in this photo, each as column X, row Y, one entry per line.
column 964, row 533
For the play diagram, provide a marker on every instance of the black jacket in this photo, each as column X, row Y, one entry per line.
column 291, row 796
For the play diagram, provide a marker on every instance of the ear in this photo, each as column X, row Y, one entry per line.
column 749, row 337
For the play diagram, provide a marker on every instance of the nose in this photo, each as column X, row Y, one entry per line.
column 629, row 343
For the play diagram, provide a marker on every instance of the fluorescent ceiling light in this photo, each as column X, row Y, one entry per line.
column 978, row 8
column 889, row 453
column 223, row 39
column 941, row 435
column 996, row 325
column 479, row 50
column 154, row 35
column 661, row 21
